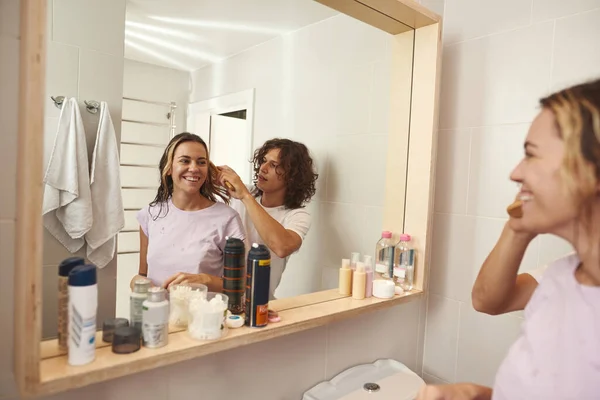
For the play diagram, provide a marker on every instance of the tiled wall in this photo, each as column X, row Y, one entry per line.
column 84, row 60
column 499, row 58
column 326, row 85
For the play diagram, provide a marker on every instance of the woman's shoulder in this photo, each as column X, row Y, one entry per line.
column 224, row 210
column 564, row 264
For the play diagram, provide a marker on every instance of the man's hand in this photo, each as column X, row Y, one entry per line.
column 458, row 391
column 230, row 179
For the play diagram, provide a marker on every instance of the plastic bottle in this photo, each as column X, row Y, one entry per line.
column 384, row 257
column 65, row 267
column 359, row 279
column 368, row 261
column 354, row 258
column 83, row 307
column 410, row 271
column 345, row 278
column 136, row 300
column 401, row 260
column 234, row 274
column 155, row 318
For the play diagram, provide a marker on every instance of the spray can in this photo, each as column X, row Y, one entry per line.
column 258, row 278
column 65, row 267
column 234, row 274
column 83, row 306
column 155, row 326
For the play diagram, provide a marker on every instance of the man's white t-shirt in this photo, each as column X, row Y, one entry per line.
column 296, row 220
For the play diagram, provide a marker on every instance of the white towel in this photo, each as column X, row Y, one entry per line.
column 107, row 201
column 67, row 205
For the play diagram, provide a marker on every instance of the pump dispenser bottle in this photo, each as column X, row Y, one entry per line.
column 345, row 279
column 359, row 281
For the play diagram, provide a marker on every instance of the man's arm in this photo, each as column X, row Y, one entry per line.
column 279, row 240
column 499, row 288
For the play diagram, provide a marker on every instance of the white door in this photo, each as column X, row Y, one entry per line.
column 228, row 145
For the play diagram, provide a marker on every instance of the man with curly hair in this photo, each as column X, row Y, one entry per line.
column 272, row 210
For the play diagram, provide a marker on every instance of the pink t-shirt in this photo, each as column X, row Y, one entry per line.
column 557, row 355
column 187, row 241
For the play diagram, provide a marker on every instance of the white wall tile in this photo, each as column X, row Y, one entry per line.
column 9, row 93
column 452, row 171
column 128, row 241
column 441, row 338
column 62, row 75
column 359, row 182
column 495, row 152
column 576, row 58
column 100, row 79
column 468, row 19
column 496, row 79
column 131, row 222
column 341, row 235
column 90, row 24
column 301, row 356
column 379, row 103
column 437, row 6
column 460, row 246
column 137, row 198
column 434, row 380
column 383, row 334
column 482, row 345
column 549, row 9
column 371, row 229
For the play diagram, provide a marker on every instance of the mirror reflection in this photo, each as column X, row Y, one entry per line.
column 198, row 121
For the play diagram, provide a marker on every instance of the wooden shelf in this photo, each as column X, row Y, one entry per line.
column 56, row 375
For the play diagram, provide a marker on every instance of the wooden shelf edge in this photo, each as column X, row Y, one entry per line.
column 57, row 376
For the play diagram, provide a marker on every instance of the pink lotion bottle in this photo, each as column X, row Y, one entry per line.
column 368, row 261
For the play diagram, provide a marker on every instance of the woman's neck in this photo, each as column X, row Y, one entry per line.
column 585, row 239
column 186, row 202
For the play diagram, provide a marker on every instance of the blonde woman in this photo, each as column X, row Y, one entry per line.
column 183, row 230
column 557, row 355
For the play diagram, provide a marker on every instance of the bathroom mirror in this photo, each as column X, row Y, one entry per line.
column 355, row 81
column 237, row 73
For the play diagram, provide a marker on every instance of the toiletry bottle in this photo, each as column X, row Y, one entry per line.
column 258, row 277
column 83, row 307
column 155, row 318
column 354, row 258
column 234, row 274
column 401, row 260
column 410, row 271
column 368, row 261
column 359, row 281
column 384, row 257
column 345, row 279
column 136, row 300
column 64, row 268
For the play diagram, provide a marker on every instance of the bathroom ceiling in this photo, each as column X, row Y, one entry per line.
column 190, row 34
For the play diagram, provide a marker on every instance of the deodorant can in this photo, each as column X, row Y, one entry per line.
column 234, row 274
column 257, row 286
column 83, row 306
column 65, row 267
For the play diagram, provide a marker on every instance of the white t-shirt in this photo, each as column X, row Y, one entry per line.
column 297, row 220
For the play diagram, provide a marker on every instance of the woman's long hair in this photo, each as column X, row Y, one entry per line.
column 210, row 189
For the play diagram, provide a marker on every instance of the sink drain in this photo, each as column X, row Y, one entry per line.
column 371, row 387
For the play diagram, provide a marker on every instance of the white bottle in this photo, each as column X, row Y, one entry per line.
column 384, row 257
column 155, row 318
column 83, row 306
column 401, row 260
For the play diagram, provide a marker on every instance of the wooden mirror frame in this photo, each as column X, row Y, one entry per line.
column 411, row 23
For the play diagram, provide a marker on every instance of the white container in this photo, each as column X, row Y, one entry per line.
column 83, row 306
column 384, row 379
column 179, row 297
column 136, row 301
column 207, row 317
column 155, row 318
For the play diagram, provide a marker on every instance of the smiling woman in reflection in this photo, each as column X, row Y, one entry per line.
column 273, row 210
column 557, row 355
column 183, row 230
